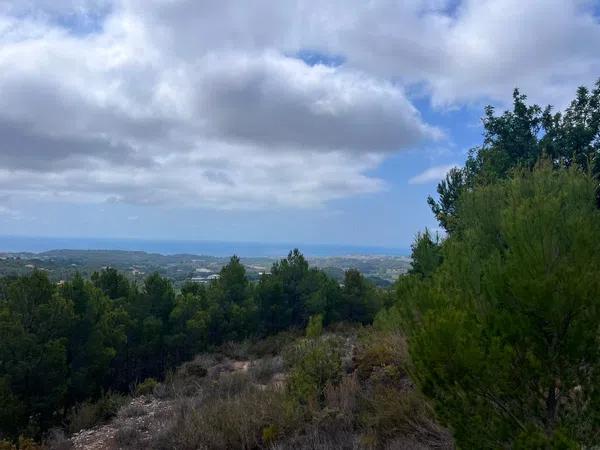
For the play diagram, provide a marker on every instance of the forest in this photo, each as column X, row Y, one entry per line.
column 500, row 316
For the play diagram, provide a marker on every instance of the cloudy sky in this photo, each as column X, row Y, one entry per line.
column 276, row 121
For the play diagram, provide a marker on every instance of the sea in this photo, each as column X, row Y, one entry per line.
column 208, row 248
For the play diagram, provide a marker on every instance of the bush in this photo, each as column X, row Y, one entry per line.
column 314, row 363
column 509, row 340
column 314, row 328
column 90, row 414
column 146, row 387
column 197, row 371
column 236, row 350
column 389, row 412
column 273, row 345
column 381, row 354
column 131, row 410
column 342, row 399
column 249, row 419
column 128, row 437
column 262, row 370
column 198, row 367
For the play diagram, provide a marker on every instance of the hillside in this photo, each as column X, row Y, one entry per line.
column 260, row 395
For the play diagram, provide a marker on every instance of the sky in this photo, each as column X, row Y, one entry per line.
column 267, row 121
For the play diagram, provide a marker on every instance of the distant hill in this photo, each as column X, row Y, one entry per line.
column 61, row 264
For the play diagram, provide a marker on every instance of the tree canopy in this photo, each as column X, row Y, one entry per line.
column 504, row 334
column 520, row 138
column 63, row 344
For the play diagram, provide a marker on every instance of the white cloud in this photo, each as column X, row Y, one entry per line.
column 477, row 49
column 136, row 112
column 433, row 174
column 203, row 103
column 271, row 100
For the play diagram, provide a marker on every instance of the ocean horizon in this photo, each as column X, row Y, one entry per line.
column 39, row 244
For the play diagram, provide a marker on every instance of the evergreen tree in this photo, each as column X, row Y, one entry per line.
column 505, row 340
column 426, row 255
column 519, row 138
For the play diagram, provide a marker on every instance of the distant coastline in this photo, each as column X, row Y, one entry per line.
column 171, row 247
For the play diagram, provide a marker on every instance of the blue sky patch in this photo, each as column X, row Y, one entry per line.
column 313, row 58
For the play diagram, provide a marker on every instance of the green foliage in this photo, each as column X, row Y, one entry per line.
column 35, row 325
column 504, row 337
column 533, row 439
column 360, row 300
column 97, row 334
column 520, row 138
column 449, row 190
column 282, row 295
column 146, row 387
column 112, row 283
column 314, row 364
column 426, row 255
column 65, row 345
column 232, row 303
column 314, row 328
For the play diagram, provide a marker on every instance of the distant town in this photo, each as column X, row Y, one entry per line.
column 61, row 265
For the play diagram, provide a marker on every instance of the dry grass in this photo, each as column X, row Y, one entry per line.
column 381, row 353
column 220, row 403
column 263, row 370
column 391, row 413
column 90, row 414
column 343, row 396
column 321, row 439
column 129, row 437
column 131, row 410
column 56, row 440
column 232, row 418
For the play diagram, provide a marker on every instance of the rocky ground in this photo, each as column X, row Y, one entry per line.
column 144, row 414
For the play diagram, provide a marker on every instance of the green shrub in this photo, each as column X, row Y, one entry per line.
column 533, row 439
column 269, row 434
column 146, row 387
column 388, row 319
column 314, row 328
column 314, row 363
column 509, row 340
